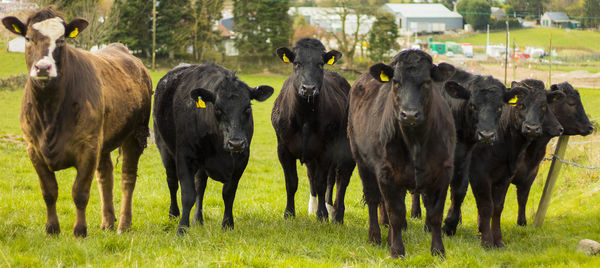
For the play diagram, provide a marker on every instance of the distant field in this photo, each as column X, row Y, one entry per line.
column 538, row 37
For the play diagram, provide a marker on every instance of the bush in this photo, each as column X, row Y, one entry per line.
column 513, row 23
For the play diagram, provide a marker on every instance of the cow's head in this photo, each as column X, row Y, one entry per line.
column 530, row 104
column 570, row 112
column 411, row 75
column 45, row 33
column 308, row 57
column 230, row 105
column 484, row 105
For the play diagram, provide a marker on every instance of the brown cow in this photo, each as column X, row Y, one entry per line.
column 77, row 108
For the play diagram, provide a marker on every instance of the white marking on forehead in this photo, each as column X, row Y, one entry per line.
column 52, row 28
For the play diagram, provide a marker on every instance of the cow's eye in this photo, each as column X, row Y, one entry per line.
column 521, row 106
column 218, row 113
column 248, row 111
column 499, row 109
column 544, row 108
column 472, row 107
column 60, row 42
column 27, row 39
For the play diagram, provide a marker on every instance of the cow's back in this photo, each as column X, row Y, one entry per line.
column 127, row 90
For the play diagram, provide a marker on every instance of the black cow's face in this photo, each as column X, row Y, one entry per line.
column 45, row 37
column 411, row 76
column 232, row 111
column 570, row 112
column 531, row 106
column 484, row 106
column 308, row 67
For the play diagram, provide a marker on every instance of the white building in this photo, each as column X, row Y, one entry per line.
column 329, row 19
column 417, row 18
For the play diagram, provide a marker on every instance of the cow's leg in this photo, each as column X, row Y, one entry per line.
column 201, row 179
column 522, row 196
column 312, row 201
column 131, row 150
column 81, row 189
column 415, row 210
column 342, row 180
column 49, row 190
column 288, row 163
column 319, row 180
column 483, row 197
column 383, row 217
column 396, row 208
column 458, row 190
column 185, row 173
column 172, row 181
column 498, row 196
column 372, row 197
column 228, row 193
column 104, row 175
column 434, row 203
column 331, row 180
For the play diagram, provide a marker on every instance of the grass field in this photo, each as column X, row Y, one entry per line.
column 262, row 237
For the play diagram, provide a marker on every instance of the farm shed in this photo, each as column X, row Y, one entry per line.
column 558, row 20
column 426, row 18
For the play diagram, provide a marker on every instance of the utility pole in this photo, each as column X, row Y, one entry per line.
column 506, row 54
column 153, row 35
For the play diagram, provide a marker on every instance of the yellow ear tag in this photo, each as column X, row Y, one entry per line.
column 285, row 58
column 74, row 33
column 331, row 61
column 383, row 77
column 200, row 103
column 513, row 101
column 16, row 28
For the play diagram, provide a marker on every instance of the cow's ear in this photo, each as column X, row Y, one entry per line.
column 554, row 96
column 554, row 87
column 455, row 90
column 201, row 96
column 285, row 54
column 515, row 84
column 75, row 27
column 14, row 25
column 261, row 93
column 512, row 95
column 382, row 72
column 442, row 72
column 332, row 57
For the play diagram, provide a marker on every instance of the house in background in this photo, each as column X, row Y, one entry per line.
column 424, row 18
column 558, row 20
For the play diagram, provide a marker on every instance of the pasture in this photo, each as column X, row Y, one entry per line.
column 261, row 236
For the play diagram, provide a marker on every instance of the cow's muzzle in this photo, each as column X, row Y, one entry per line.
column 308, row 91
column 236, row 145
column 486, row 136
column 410, row 117
column 531, row 130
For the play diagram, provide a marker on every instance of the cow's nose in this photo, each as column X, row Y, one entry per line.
column 43, row 67
column 307, row 90
column 532, row 129
column 236, row 144
column 486, row 136
column 409, row 116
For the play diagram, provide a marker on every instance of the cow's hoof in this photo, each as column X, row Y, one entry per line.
column 487, row 244
column 415, row 215
column 80, row 231
column 181, row 230
column 441, row 252
column 375, row 238
column 522, row 223
column 499, row 244
column 227, row 224
column 53, row 229
column 289, row 215
column 173, row 212
column 427, row 228
column 449, row 231
column 397, row 252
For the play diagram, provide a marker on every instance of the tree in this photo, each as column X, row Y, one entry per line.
column 261, row 26
column 360, row 9
column 476, row 12
column 173, row 23
column 382, row 37
column 204, row 36
column 134, row 25
column 592, row 13
column 528, row 7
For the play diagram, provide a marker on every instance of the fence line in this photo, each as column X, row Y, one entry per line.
column 554, row 156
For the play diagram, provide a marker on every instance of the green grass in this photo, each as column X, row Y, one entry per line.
column 538, row 37
column 261, row 236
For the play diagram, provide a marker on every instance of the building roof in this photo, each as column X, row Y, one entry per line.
column 421, row 11
column 557, row 16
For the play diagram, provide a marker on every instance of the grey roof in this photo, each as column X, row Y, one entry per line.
column 557, row 16
column 421, row 11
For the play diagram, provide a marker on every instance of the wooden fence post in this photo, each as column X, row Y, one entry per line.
column 553, row 173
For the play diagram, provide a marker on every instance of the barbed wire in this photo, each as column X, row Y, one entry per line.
column 554, row 156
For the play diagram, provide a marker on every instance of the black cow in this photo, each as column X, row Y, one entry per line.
column 203, row 126
column 476, row 116
column 492, row 167
column 310, row 119
column 402, row 137
column 572, row 118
